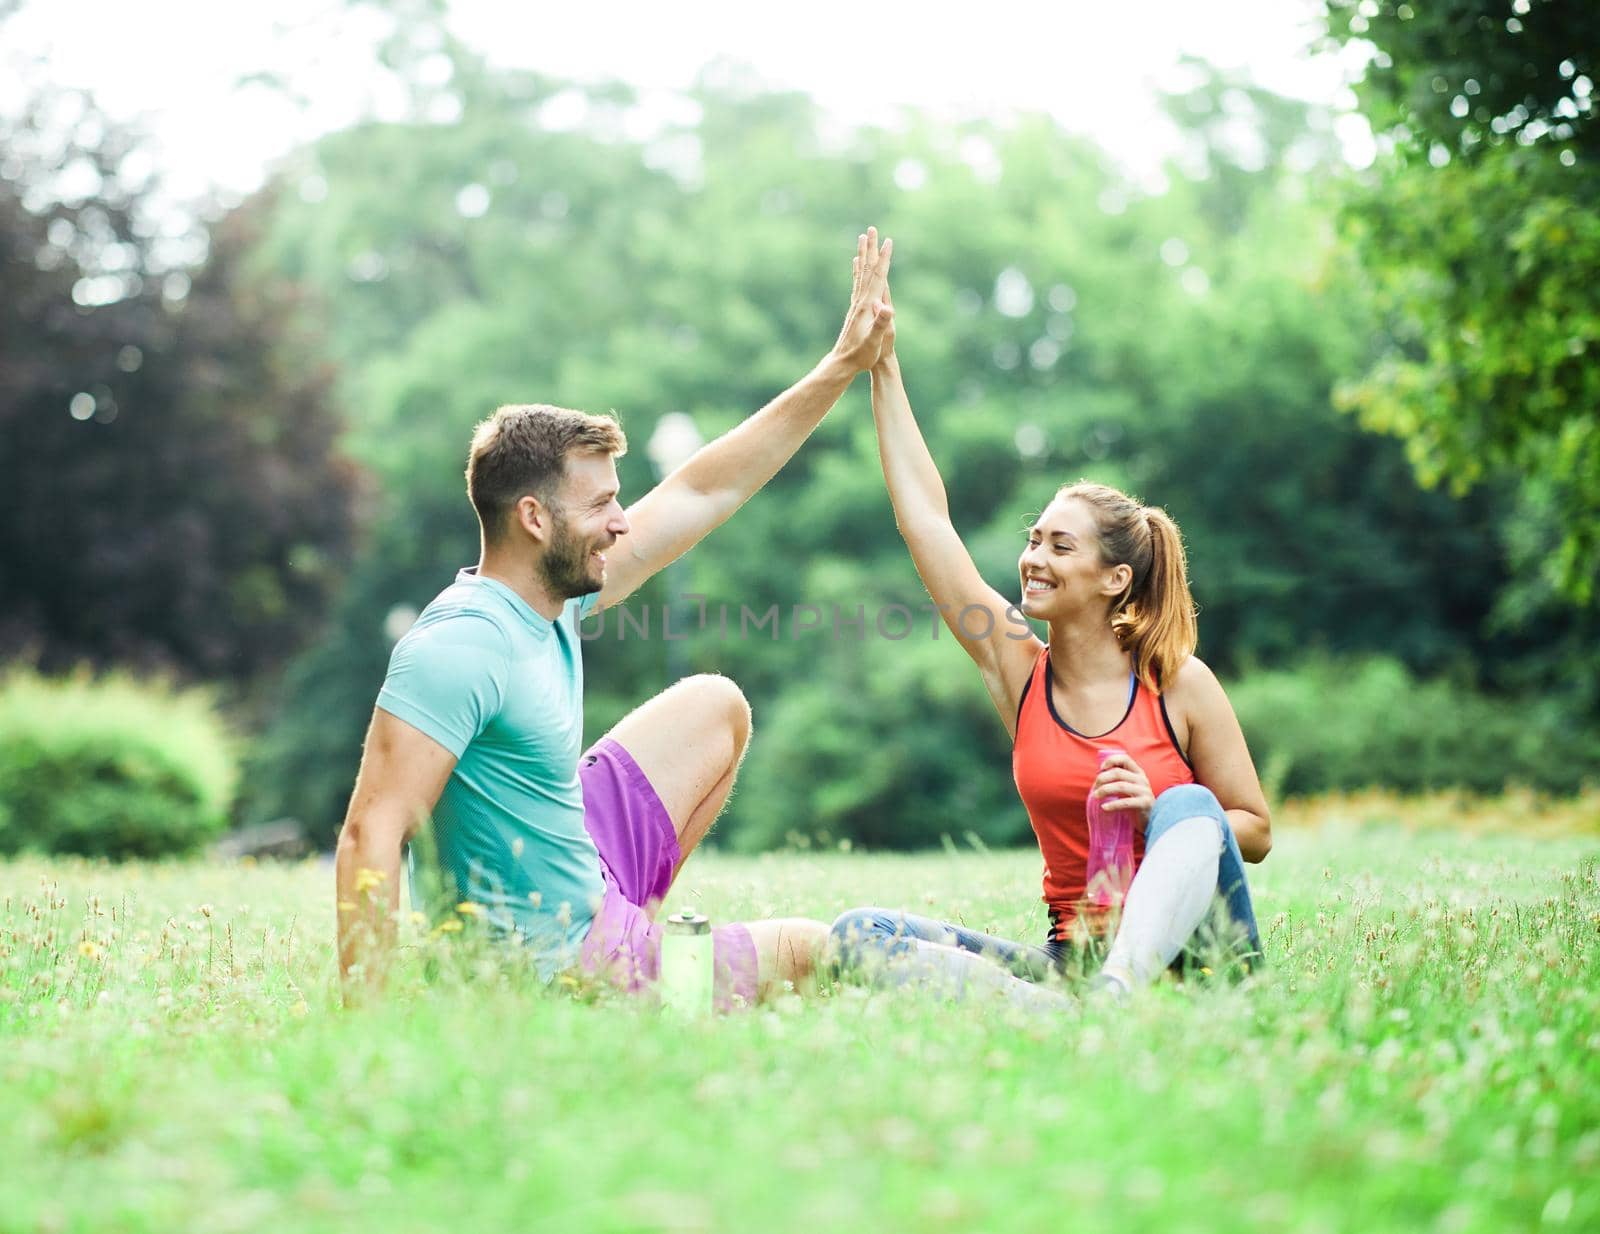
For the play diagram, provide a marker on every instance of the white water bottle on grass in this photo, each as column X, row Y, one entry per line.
column 686, row 985
column 1110, row 848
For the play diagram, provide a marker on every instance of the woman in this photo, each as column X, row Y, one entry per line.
column 1118, row 675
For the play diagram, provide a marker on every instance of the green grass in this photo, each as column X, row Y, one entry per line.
column 1423, row 1053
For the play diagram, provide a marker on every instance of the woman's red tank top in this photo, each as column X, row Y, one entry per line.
column 1055, row 765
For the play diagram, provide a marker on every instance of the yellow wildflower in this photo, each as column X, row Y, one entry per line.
column 468, row 909
column 447, row 927
column 88, row 950
column 368, row 880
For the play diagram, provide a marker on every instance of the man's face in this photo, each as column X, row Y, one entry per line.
column 587, row 520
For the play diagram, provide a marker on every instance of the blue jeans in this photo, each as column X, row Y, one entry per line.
column 863, row 933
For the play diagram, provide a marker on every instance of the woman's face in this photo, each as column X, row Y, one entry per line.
column 1060, row 567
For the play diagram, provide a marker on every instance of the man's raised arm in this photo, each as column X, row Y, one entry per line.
column 720, row 477
column 403, row 771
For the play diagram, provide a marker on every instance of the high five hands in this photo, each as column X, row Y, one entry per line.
column 867, row 335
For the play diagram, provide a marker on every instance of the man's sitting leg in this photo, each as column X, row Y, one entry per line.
column 653, row 786
column 688, row 741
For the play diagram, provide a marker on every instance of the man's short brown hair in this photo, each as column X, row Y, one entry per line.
column 522, row 449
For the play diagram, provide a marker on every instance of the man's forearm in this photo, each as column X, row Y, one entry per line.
column 704, row 492
column 367, row 877
column 735, row 465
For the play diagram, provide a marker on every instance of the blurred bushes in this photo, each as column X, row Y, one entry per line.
column 904, row 750
column 110, row 768
column 887, row 744
column 1332, row 725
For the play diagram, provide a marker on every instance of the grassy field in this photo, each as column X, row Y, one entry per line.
column 1423, row 1053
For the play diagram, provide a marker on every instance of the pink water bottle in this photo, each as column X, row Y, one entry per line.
column 1110, row 848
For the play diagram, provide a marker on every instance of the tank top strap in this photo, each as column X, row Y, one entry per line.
column 1161, row 721
column 1034, row 688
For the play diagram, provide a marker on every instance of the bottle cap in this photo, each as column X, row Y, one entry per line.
column 688, row 922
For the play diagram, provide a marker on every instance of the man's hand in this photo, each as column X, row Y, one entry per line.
column 870, row 320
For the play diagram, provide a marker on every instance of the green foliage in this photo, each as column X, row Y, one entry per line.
column 1475, row 74
column 1416, row 1055
column 169, row 492
column 891, row 745
column 110, row 768
column 1339, row 725
column 1183, row 344
column 1479, row 231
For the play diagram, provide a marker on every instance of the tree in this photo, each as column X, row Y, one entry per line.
column 1183, row 343
column 1480, row 232
column 170, row 495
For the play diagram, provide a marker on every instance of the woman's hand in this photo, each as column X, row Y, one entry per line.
column 886, row 355
column 1123, row 786
column 869, row 317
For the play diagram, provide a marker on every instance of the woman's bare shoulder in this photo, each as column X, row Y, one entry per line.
column 1193, row 688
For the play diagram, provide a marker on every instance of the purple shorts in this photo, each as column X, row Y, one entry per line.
column 638, row 857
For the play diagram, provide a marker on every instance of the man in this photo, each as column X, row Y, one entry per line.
column 479, row 722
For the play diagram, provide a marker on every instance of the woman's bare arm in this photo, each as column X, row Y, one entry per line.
column 1217, row 751
column 989, row 628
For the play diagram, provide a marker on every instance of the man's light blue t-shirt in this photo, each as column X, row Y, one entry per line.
column 501, row 688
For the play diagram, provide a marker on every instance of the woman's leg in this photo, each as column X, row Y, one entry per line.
column 1243, row 935
column 1174, row 887
column 896, row 948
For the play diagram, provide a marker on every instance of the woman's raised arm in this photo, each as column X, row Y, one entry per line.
column 990, row 629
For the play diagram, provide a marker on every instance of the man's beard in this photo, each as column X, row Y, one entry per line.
column 564, row 568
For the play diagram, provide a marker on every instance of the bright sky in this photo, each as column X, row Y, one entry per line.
column 176, row 65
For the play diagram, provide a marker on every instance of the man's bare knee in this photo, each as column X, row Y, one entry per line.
column 721, row 697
